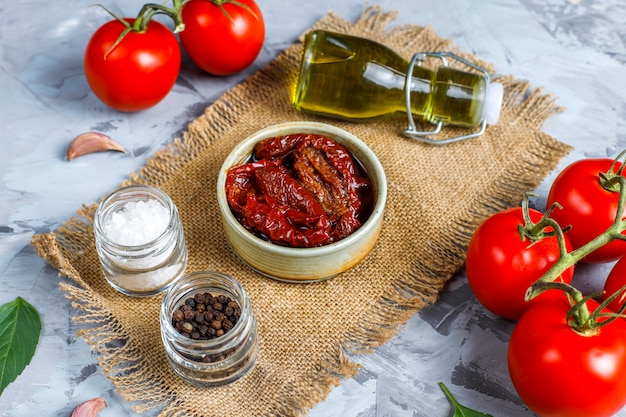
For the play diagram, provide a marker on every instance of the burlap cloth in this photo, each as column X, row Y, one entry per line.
column 437, row 196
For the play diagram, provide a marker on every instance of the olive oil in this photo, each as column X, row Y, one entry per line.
column 348, row 77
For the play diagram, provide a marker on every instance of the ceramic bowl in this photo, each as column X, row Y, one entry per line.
column 304, row 264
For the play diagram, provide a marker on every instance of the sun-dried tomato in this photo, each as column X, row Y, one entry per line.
column 277, row 147
column 302, row 190
column 240, row 182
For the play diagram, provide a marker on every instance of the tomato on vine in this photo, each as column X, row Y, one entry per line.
column 564, row 364
column 567, row 358
column 222, row 37
column 614, row 286
column 588, row 191
column 132, row 64
column 508, row 252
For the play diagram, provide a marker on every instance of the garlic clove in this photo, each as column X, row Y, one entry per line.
column 89, row 408
column 91, row 142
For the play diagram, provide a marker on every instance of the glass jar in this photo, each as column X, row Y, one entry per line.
column 137, row 257
column 222, row 359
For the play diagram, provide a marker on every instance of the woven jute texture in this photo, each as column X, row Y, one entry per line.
column 437, row 196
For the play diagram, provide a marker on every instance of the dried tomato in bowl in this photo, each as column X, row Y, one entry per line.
column 300, row 190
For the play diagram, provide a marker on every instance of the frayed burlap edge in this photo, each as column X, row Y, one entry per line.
column 118, row 354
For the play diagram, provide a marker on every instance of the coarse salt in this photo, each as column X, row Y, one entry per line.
column 147, row 281
column 137, row 223
column 140, row 240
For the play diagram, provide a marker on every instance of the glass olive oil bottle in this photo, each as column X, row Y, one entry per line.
column 353, row 78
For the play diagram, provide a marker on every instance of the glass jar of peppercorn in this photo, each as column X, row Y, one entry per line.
column 208, row 329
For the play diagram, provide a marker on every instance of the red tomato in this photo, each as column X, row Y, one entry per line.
column 501, row 266
column 588, row 207
column 222, row 37
column 559, row 372
column 614, row 283
column 137, row 73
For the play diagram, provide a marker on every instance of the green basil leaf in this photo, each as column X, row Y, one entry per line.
column 461, row 410
column 20, row 326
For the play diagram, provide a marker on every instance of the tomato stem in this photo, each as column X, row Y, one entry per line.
column 149, row 10
column 614, row 232
column 579, row 313
column 607, row 179
column 583, row 320
column 143, row 18
column 537, row 231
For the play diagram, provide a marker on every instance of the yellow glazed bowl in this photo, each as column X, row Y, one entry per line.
column 304, row 264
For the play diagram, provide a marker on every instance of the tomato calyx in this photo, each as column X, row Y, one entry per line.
column 610, row 179
column 220, row 4
column 142, row 20
column 579, row 318
column 545, row 227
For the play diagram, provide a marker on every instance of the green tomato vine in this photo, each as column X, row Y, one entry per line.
column 579, row 317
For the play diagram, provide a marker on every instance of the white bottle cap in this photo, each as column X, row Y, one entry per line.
column 493, row 103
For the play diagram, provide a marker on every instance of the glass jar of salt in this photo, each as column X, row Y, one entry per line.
column 140, row 240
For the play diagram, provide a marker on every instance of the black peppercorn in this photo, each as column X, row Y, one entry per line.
column 227, row 325
column 199, row 298
column 178, row 316
column 206, row 316
column 186, row 327
column 199, row 318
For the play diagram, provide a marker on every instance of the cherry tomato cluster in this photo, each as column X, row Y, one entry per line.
column 567, row 351
column 131, row 64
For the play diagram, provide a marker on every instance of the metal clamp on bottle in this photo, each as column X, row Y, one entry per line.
column 493, row 99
